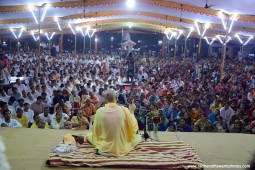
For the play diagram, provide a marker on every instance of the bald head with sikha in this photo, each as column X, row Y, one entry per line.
column 110, row 96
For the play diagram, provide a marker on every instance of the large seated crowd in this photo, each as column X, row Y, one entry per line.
column 172, row 95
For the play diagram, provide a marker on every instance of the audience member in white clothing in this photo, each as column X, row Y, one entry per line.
column 29, row 113
column 46, row 116
column 20, row 87
column 8, row 122
column 59, row 110
column 58, row 122
column 226, row 112
column 3, row 96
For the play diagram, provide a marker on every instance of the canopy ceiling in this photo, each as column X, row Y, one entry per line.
column 103, row 15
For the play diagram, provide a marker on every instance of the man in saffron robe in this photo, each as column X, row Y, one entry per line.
column 114, row 131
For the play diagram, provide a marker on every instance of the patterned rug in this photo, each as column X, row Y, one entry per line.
column 147, row 155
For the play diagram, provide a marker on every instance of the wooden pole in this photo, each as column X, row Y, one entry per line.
column 175, row 49
column 75, row 47
column 49, row 49
column 61, row 41
column 39, row 41
column 185, row 48
column 96, row 41
column 84, row 44
column 224, row 54
column 90, row 45
column 223, row 62
column 163, row 46
column 199, row 49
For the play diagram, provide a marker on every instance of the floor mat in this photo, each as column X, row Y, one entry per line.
column 147, row 155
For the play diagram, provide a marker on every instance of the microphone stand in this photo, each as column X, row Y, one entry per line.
column 145, row 134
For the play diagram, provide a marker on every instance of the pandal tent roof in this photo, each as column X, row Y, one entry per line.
column 150, row 15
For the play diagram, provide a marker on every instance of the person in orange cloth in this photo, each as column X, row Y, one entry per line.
column 88, row 109
column 79, row 121
column 94, row 100
column 114, row 131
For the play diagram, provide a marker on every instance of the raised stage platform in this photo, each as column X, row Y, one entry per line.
column 28, row 149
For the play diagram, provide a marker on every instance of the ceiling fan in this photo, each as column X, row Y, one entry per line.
column 207, row 6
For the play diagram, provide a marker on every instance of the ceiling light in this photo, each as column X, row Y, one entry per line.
column 59, row 27
column 130, row 4
column 198, row 31
column 31, row 8
column 191, row 30
column 167, row 35
column 52, row 35
column 207, row 40
column 212, row 41
column 238, row 37
column 21, row 31
column 71, row 28
column 45, row 9
column 91, row 33
column 221, row 16
column 180, row 33
column 130, row 24
column 219, row 39
column 234, row 17
column 248, row 40
column 13, row 33
column 32, row 33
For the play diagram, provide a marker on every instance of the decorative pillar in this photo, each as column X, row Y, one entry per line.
column 242, row 50
column 84, row 44
column 175, row 49
column 60, row 47
column 199, row 49
column 163, row 46
column 26, row 46
column 75, row 46
column 185, row 49
column 96, row 40
column 223, row 58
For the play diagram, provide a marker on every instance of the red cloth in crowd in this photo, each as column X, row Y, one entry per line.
column 160, row 104
column 6, row 62
column 252, row 125
column 250, row 112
